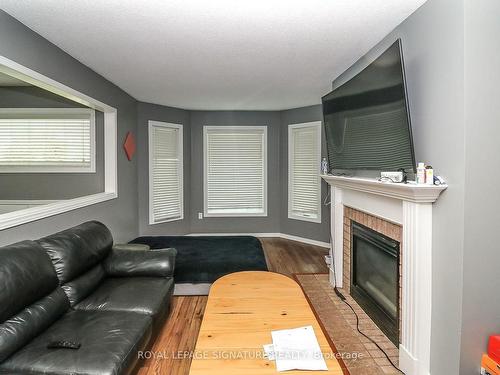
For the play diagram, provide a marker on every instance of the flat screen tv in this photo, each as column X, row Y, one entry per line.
column 367, row 122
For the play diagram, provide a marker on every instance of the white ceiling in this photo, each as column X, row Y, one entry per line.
column 218, row 54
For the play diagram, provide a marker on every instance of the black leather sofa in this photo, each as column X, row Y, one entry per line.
column 73, row 286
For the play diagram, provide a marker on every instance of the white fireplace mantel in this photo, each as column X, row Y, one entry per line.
column 409, row 205
column 410, row 192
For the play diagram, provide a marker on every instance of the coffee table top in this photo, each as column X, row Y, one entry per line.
column 242, row 310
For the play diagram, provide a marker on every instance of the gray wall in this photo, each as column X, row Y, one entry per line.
column 24, row 46
column 433, row 46
column 481, row 303
column 50, row 186
column 33, row 97
column 320, row 232
column 146, row 112
column 269, row 224
column 277, row 220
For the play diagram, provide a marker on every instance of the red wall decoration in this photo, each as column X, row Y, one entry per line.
column 129, row 146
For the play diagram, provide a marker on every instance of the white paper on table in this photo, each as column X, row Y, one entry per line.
column 297, row 349
column 269, row 352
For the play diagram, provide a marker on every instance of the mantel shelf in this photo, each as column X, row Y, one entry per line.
column 411, row 192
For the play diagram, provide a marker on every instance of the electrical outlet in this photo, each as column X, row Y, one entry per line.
column 200, row 215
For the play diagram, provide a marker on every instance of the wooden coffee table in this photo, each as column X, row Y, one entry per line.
column 242, row 310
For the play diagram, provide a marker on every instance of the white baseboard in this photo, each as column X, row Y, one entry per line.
column 407, row 363
column 235, row 234
column 267, row 235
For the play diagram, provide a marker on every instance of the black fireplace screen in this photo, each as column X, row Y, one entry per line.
column 375, row 278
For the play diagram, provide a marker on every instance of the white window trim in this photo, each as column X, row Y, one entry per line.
column 56, row 112
column 290, row 167
column 152, row 124
column 206, row 128
column 16, row 218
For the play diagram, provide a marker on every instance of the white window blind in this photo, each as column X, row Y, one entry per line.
column 304, row 183
column 235, row 170
column 47, row 140
column 166, row 201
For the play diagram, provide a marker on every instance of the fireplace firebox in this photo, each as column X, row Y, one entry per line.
column 375, row 277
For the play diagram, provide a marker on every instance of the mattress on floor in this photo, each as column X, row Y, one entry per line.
column 203, row 259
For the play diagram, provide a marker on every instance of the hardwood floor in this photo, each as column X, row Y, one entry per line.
column 289, row 257
column 170, row 352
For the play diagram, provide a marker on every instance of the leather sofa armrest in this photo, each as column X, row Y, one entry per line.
column 127, row 263
column 131, row 246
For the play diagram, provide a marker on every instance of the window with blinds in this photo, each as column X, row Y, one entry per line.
column 304, row 183
column 166, row 200
column 235, row 170
column 45, row 140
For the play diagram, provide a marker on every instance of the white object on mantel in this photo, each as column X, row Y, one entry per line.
column 411, row 206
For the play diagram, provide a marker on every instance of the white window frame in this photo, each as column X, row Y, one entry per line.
column 59, row 113
column 206, row 128
column 291, row 215
column 151, row 125
column 12, row 219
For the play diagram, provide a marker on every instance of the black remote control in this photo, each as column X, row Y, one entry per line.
column 64, row 344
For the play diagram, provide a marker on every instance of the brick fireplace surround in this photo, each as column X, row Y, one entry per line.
column 378, row 224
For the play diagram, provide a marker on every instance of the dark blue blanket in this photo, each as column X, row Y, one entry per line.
column 204, row 259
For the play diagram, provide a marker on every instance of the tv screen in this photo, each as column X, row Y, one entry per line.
column 367, row 122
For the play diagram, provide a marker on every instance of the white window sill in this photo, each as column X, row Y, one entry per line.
column 316, row 220
column 12, row 219
column 55, row 170
column 235, row 214
column 152, row 222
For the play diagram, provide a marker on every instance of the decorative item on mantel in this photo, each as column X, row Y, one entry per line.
column 424, row 176
column 129, row 146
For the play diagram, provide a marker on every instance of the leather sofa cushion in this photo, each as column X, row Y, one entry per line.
column 83, row 285
column 126, row 263
column 109, row 344
column 23, row 327
column 76, row 250
column 26, row 275
column 146, row 295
